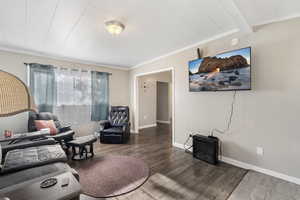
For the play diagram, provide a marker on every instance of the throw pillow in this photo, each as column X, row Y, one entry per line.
column 41, row 124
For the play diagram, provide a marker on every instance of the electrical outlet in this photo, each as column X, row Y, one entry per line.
column 145, row 116
column 259, row 151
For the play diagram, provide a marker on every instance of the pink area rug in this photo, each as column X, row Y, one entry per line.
column 112, row 175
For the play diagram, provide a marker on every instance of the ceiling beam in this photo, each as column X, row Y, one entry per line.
column 82, row 14
column 51, row 22
column 237, row 16
column 26, row 22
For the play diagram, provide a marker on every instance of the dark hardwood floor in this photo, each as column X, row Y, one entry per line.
column 174, row 173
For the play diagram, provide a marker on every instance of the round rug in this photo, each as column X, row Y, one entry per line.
column 112, row 175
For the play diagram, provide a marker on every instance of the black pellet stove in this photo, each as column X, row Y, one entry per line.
column 206, row 148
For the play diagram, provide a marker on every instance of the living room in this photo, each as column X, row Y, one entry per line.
column 80, row 94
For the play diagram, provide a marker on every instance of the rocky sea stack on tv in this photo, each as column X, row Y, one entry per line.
column 211, row 64
column 226, row 71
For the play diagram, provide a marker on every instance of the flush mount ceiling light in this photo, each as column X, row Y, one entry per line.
column 114, row 27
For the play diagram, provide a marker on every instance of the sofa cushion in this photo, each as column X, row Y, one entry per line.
column 114, row 130
column 42, row 124
column 49, row 116
column 31, row 157
column 41, row 116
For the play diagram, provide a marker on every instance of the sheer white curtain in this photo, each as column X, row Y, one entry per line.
column 73, row 96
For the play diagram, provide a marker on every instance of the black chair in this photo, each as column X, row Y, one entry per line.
column 116, row 130
column 64, row 135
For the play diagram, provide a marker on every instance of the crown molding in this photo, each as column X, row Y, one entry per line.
column 57, row 57
column 278, row 20
column 212, row 39
column 187, row 47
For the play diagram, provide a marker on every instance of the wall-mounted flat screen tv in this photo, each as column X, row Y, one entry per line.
column 223, row 72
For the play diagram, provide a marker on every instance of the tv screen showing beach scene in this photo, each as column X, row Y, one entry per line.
column 226, row 71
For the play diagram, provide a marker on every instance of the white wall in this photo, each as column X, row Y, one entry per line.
column 267, row 116
column 14, row 63
column 147, row 96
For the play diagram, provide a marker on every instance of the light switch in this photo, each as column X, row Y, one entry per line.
column 259, row 151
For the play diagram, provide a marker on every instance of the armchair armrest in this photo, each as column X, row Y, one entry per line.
column 125, row 126
column 65, row 128
column 66, row 135
column 104, row 124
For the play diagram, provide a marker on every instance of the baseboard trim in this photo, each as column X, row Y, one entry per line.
column 178, row 145
column 253, row 167
column 261, row 170
column 133, row 131
column 147, row 126
column 163, row 122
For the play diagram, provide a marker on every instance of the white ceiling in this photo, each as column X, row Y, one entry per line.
column 265, row 11
column 74, row 29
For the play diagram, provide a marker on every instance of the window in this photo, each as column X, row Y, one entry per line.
column 76, row 96
column 73, row 103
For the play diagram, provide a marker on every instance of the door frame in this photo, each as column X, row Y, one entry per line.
column 136, row 100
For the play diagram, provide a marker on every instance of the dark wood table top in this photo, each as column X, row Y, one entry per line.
column 83, row 140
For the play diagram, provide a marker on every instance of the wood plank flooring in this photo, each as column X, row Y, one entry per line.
column 257, row 186
column 174, row 173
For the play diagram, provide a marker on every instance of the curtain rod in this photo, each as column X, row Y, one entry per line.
column 76, row 69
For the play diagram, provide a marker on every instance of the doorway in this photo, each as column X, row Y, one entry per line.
column 163, row 102
column 148, row 100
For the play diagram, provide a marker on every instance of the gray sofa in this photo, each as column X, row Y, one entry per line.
column 17, row 179
column 25, row 144
column 65, row 133
column 22, row 165
column 20, row 159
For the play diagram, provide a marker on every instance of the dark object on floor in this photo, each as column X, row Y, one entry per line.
column 111, row 175
column 206, row 148
column 82, row 143
column 116, row 130
column 64, row 135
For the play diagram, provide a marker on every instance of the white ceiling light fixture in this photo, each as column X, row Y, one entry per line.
column 114, row 27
